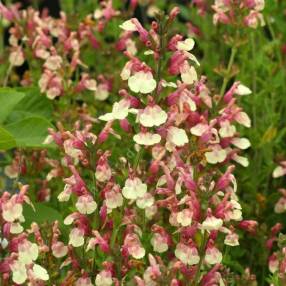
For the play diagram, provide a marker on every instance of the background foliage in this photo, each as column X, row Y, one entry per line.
column 260, row 63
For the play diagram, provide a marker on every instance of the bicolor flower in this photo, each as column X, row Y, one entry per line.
column 134, row 188
column 152, row 116
column 119, row 111
column 76, row 237
column 86, row 205
column 189, row 255
column 142, row 82
column 147, row 138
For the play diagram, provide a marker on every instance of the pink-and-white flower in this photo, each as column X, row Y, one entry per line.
column 147, row 138
column 280, row 170
column 16, row 58
column 152, row 116
column 159, row 242
column 104, row 278
column 59, row 249
column 142, row 82
column 177, row 136
column 86, row 205
column 213, row 255
column 189, row 255
column 119, row 111
column 76, row 237
column 113, row 199
column 133, row 246
column 212, row 223
column 84, row 281
column 217, row 155
column 134, row 189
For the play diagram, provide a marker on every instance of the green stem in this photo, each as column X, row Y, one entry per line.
column 160, row 59
column 159, row 67
column 2, row 37
column 16, row 181
column 93, row 263
column 116, row 228
column 10, row 68
column 202, row 256
column 273, row 36
column 137, row 159
column 7, row 75
column 254, row 82
column 116, row 252
column 113, row 237
column 228, row 71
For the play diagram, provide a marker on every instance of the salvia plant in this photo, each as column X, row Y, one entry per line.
column 136, row 143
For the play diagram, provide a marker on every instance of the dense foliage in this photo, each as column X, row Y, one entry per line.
column 143, row 143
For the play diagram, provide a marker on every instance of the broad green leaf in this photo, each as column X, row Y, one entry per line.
column 30, row 132
column 34, row 104
column 67, row 6
column 185, row 11
column 42, row 214
column 7, row 141
column 9, row 98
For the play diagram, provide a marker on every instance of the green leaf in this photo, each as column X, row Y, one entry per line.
column 185, row 11
column 67, row 6
column 7, row 141
column 9, row 98
column 42, row 214
column 34, row 104
column 30, row 132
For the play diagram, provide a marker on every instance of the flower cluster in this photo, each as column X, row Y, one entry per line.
column 276, row 241
column 180, row 183
column 279, row 171
column 147, row 186
column 51, row 45
column 240, row 13
column 19, row 253
column 277, row 259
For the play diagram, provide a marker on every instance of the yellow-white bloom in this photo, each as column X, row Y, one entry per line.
column 242, row 90
column 119, row 111
column 142, row 82
column 227, row 130
column 86, row 205
column 188, row 73
column 217, row 155
column 147, row 138
column 128, row 26
column 212, row 223
column 186, row 45
column 177, row 136
column 152, row 116
column 76, row 237
column 40, row 273
column 134, row 188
